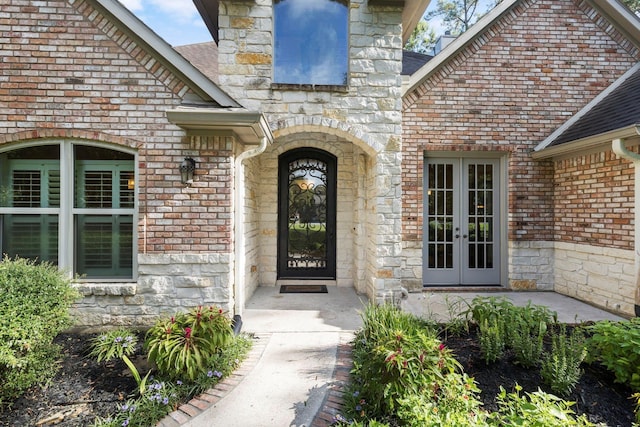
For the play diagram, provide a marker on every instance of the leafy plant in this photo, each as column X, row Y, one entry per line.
column 34, row 308
column 182, row 346
column 453, row 403
column 458, row 322
column 561, row 366
column 492, row 339
column 537, row 409
column 119, row 343
column 484, row 309
column 527, row 339
column 159, row 399
column 162, row 395
column 617, row 346
column 396, row 357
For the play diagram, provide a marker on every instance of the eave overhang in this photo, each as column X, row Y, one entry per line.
column 412, row 11
column 587, row 145
column 250, row 126
column 151, row 42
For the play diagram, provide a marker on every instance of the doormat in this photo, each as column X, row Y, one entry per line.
column 303, row 289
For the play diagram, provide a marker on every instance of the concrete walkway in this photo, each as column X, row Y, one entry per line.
column 288, row 377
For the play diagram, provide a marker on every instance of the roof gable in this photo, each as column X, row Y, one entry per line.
column 616, row 15
column 619, row 108
column 204, row 87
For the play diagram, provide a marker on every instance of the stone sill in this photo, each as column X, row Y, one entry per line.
column 102, row 289
column 310, row 87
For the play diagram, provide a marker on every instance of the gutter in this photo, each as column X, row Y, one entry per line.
column 590, row 143
column 250, row 127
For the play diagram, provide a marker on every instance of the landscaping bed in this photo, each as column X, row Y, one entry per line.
column 495, row 365
column 81, row 390
column 596, row 395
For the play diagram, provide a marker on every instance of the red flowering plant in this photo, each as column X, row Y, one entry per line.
column 182, row 346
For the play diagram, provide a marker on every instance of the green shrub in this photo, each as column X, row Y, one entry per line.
column 524, row 327
column 489, row 308
column 397, row 357
column 561, row 366
column 526, row 339
column 34, row 308
column 182, row 346
column 492, row 337
column 453, row 403
column 537, row 409
column 617, row 346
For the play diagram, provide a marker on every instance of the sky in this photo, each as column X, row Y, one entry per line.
column 178, row 21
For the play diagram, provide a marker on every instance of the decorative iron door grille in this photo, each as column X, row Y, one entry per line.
column 307, row 215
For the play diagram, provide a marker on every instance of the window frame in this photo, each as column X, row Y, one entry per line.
column 67, row 212
column 307, row 85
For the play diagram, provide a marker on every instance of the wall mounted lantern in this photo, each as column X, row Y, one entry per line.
column 187, row 170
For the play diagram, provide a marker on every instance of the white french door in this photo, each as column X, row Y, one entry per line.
column 461, row 222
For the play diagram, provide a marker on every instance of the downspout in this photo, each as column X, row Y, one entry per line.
column 618, row 146
column 239, row 255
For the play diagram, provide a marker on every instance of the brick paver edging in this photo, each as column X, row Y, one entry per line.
column 331, row 406
column 334, row 400
column 200, row 403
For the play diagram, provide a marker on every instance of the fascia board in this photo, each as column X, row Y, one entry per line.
column 198, row 82
column 252, row 126
column 621, row 17
column 589, row 144
column 411, row 15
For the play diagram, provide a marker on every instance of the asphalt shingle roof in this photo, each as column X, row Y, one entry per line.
column 203, row 56
column 621, row 108
column 413, row 61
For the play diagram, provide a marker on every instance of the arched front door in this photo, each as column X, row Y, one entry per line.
column 307, row 214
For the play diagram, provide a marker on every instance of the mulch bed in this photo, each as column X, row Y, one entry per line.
column 596, row 395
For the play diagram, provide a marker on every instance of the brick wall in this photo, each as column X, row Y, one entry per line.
column 63, row 77
column 594, row 200
column 67, row 72
column 533, row 69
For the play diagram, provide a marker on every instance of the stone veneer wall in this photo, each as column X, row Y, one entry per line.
column 166, row 283
column 531, row 265
column 604, row 277
column 366, row 114
column 252, row 207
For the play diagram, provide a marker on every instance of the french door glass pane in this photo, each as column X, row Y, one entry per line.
column 440, row 215
column 480, row 217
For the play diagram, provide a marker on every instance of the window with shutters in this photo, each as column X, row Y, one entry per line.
column 92, row 234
